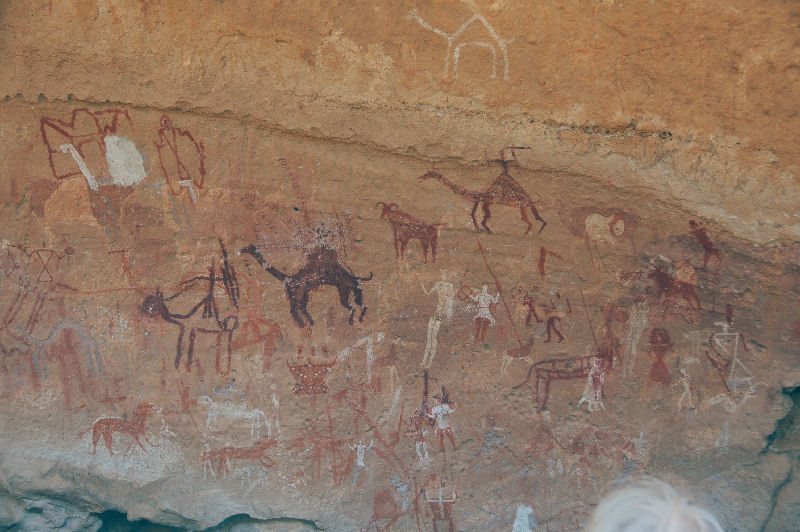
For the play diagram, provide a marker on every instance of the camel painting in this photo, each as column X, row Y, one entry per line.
column 322, row 268
column 504, row 190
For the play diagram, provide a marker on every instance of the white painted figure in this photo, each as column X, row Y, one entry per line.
column 637, row 324
column 443, row 312
column 593, row 391
column 360, row 450
column 686, row 382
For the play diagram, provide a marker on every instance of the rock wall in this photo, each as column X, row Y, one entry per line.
column 343, row 265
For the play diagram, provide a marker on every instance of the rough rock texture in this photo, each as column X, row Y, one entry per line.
column 185, row 186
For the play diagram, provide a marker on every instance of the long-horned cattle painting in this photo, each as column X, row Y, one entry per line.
column 260, row 263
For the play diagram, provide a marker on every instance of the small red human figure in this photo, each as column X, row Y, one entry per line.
column 554, row 312
column 660, row 344
column 529, row 303
column 709, row 250
column 441, row 413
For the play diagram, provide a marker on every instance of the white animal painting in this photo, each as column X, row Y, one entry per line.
column 456, row 42
column 255, row 416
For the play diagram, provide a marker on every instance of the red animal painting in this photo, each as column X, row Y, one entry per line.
column 105, row 427
column 504, row 190
column 224, row 455
column 406, row 228
column 669, row 288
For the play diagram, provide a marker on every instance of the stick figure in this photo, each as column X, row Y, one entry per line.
column 444, row 311
column 484, row 318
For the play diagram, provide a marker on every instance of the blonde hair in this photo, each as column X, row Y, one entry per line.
column 650, row 505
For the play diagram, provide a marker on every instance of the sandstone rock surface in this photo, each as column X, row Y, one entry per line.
column 398, row 265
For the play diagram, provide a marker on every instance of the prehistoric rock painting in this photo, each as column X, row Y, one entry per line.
column 504, row 190
column 456, row 42
column 182, row 159
column 621, row 332
column 105, row 427
column 88, row 145
column 322, row 268
column 405, row 228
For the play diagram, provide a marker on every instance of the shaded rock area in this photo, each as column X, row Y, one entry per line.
column 395, row 266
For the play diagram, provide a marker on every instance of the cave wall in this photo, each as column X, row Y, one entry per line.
column 346, row 265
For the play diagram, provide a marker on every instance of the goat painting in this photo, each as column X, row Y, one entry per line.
column 405, row 228
column 322, row 268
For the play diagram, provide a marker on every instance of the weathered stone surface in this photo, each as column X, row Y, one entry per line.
column 176, row 179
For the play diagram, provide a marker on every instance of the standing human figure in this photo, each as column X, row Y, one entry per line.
column 593, row 391
column 360, row 450
column 637, row 324
column 529, row 303
column 484, row 318
column 686, row 382
column 552, row 313
column 441, row 413
column 443, row 312
column 418, row 433
column 659, row 345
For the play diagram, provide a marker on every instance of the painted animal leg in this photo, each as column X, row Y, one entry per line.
column 107, row 438
column 344, row 299
column 537, row 217
column 474, row 221
column 179, row 346
column 525, row 219
column 358, row 299
column 95, row 439
column 434, row 243
column 403, row 245
column 424, row 244
column 396, row 236
column 190, row 351
column 486, row 216
column 304, row 307
column 294, row 310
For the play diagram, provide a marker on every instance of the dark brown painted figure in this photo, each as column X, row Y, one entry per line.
column 322, row 268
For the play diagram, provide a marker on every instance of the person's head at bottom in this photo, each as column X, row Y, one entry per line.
column 650, row 505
